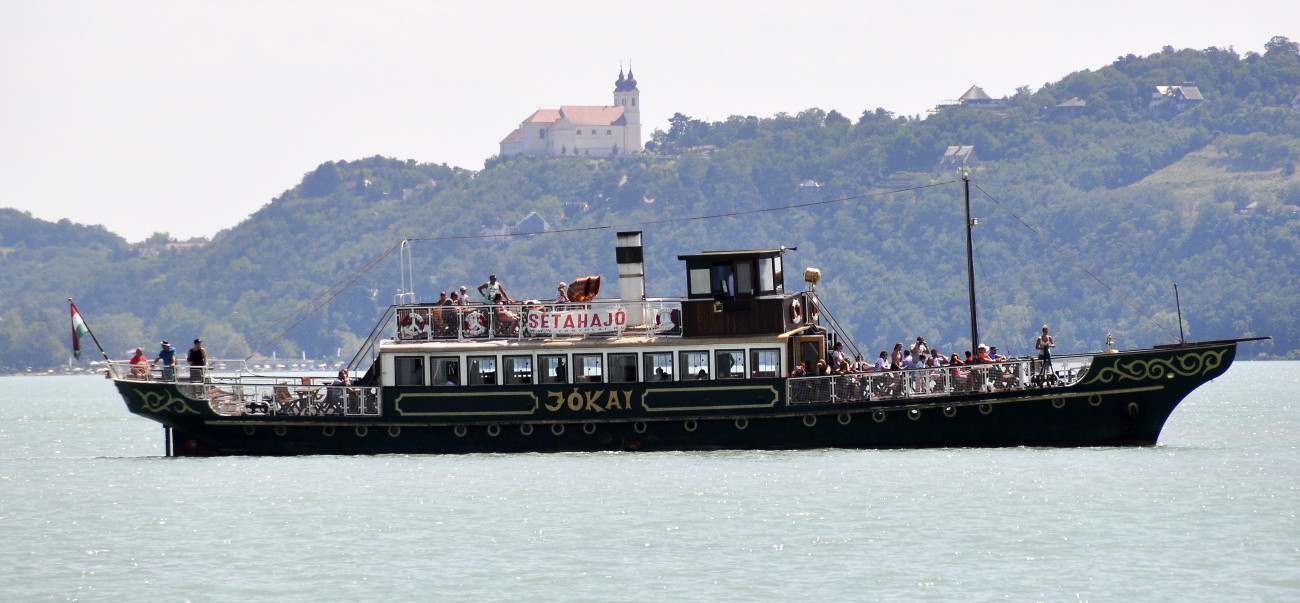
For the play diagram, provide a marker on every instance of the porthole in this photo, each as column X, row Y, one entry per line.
column 327, row 431
column 280, row 430
column 1058, row 403
column 249, row 430
column 844, row 418
column 1094, row 400
column 362, row 430
column 914, row 414
column 986, row 409
column 639, row 427
column 394, row 431
column 809, row 420
column 557, row 428
column 588, row 428
column 742, row 424
column 690, row 425
column 460, row 431
column 494, row 430
column 526, row 429
column 878, row 416
column 950, row 411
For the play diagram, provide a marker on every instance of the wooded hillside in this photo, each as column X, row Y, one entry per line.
column 1205, row 197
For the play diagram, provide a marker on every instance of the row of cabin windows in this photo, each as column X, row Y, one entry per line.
column 731, row 278
column 587, row 368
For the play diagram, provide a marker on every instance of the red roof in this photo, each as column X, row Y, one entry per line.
column 592, row 116
column 545, row 116
column 516, row 136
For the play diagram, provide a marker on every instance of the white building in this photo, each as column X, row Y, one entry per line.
column 587, row 131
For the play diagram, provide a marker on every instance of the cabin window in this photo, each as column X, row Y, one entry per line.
column 722, row 279
column 658, row 366
column 766, row 274
column 744, row 278
column 587, row 368
column 731, row 364
column 699, row 281
column 622, row 368
column 408, row 370
column 482, row 370
column 695, row 365
column 446, row 371
column 518, row 370
column 764, row 363
column 552, row 368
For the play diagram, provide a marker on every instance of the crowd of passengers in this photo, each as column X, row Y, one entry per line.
column 918, row 355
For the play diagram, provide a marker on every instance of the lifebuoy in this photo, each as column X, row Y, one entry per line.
column 796, row 312
column 813, row 314
column 664, row 320
column 475, row 323
column 412, row 324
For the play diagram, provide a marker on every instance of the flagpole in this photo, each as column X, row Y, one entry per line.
column 91, row 333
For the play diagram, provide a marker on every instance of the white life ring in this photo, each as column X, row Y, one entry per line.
column 813, row 314
column 412, row 325
column 664, row 320
column 796, row 312
column 475, row 323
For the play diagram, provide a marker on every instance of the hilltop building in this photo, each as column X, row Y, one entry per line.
column 1174, row 99
column 974, row 98
column 587, row 131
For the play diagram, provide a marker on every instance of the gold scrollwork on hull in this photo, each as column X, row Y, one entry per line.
column 1181, row 365
column 164, row 402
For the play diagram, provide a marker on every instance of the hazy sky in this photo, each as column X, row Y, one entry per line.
column 185, row 116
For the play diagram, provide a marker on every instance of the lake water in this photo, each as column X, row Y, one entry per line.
column 91, row 510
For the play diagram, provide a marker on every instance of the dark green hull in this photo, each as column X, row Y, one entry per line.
column 1122, row 399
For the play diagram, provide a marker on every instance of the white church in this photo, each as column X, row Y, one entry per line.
column 586, row 131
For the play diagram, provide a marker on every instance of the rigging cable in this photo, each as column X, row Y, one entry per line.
column 1074, row 261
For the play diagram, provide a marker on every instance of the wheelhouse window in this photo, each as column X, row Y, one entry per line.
column 482, row 370
column 622, row 368
column 764, row 363
column 517, row 370
column 552, row 368
column 446, row 371
column 695, row 365
column 725, row 275
column 408, row 370
column 658, row 366
column 587, row 368
column 730, row 365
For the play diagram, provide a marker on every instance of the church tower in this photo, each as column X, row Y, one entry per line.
column 627, row 96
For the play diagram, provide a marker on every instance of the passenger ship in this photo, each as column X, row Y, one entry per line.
column 707, row 371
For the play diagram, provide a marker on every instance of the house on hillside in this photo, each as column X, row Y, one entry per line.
column 974, row 98
column 1070, row 108
column 957, row 156
column 1170, row 99
column 1295, row 102
column 582, row 130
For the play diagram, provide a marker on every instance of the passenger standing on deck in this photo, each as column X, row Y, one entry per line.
column 491, row 289
column 920, row 347
column 560, row 297
column 896, row 357
column 442, row 299
column 882, row 363
column 167, row 356
column 837, row 355
column 197, row 358
column 464, row 296
column 1044, row 344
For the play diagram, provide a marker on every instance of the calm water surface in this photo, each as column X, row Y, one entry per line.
column 90, row 510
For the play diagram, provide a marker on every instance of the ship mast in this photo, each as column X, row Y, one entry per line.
column 964, row 172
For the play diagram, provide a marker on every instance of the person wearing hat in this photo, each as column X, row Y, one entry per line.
column 197, row 358
column 464, row 297
column 167, row 356
column 491, row 289
column 560, row 297
column 983, row 354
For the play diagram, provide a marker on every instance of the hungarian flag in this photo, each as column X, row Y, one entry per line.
column 78, row 329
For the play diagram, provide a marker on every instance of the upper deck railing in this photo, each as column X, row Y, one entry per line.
column 429, row 322
column 924, row 384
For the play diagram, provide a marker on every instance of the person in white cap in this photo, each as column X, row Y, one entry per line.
column 560, row 297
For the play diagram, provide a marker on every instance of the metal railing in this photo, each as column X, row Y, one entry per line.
column 1010, row 375
column 427, row 322
column 251, row 394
